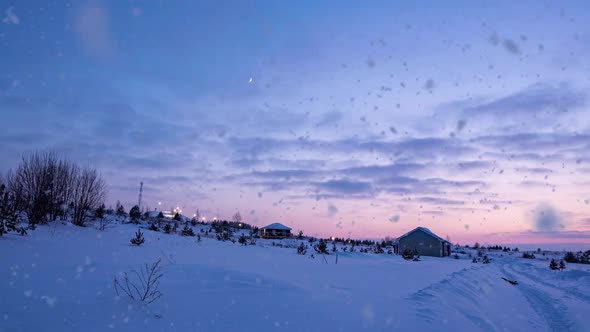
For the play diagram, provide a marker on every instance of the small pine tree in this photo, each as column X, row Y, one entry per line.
column 485, row 259
column 553, row 265
column 8, row 213
column 378, row 249
column 527, row 255
column 302, row 249
column 242, row 240
column 120, row 209
column 334, row 248
column 198, row 237
column 227, row 234
column 160, row 215
column 100, row 211
column 134, row 213
column 187, row 231
column 177, row 217
column 570, row 257
column 153, row 227
column 561, row 264
column 138, row 239
column 321, row 247
column 408, row 254
column 167, row 228
column 300, row 236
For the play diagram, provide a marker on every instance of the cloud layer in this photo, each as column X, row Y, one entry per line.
column 290, row 114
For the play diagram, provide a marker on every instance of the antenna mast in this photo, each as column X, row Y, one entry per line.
column 140, row 194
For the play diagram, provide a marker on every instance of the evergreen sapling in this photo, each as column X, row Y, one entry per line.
column 138, row 239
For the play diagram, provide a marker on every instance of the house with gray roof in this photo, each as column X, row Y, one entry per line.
column 424, row 242
column 275, row 231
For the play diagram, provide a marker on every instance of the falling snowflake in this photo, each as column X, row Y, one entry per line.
column 11, row 17
column 461, row 124
column 511, row 46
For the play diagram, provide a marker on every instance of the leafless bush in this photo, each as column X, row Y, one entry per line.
column 89, row 193
column 43, row 186
column 146, row 286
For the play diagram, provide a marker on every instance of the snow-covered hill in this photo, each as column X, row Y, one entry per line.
column 60, row 278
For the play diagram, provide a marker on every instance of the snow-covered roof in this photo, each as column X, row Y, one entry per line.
column 156, row 213
column 277, row 225
column 153, row 214
column 425, row 230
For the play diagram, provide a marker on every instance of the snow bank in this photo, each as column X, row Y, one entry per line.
column 60, row 278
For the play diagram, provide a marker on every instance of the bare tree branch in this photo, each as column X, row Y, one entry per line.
column 146, row 287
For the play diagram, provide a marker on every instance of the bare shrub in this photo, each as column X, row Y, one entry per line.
column 89, row 193
column 43, row 185
column 145, row 287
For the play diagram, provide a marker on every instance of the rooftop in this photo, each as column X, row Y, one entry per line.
column 277, row 225
column 425, row 230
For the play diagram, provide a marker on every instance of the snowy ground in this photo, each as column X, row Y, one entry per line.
column 60, row 278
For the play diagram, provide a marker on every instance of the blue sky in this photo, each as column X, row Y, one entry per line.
column 339, row 118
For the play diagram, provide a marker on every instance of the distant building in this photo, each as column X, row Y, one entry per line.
column 167, row 214
column 275, row 231
column 425, row 242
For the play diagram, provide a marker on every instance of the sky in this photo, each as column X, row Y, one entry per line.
column 338, row 118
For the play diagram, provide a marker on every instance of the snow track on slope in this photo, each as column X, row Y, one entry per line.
column 463, row 301
column 477, row 299
column 544, row 299
column 520, row 270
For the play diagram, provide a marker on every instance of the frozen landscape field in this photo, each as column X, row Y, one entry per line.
column 388, row 130
column 60, row 278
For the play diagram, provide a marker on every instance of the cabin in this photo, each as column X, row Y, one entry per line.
column 167, row 214
column 425, row 242
column 275, row 231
